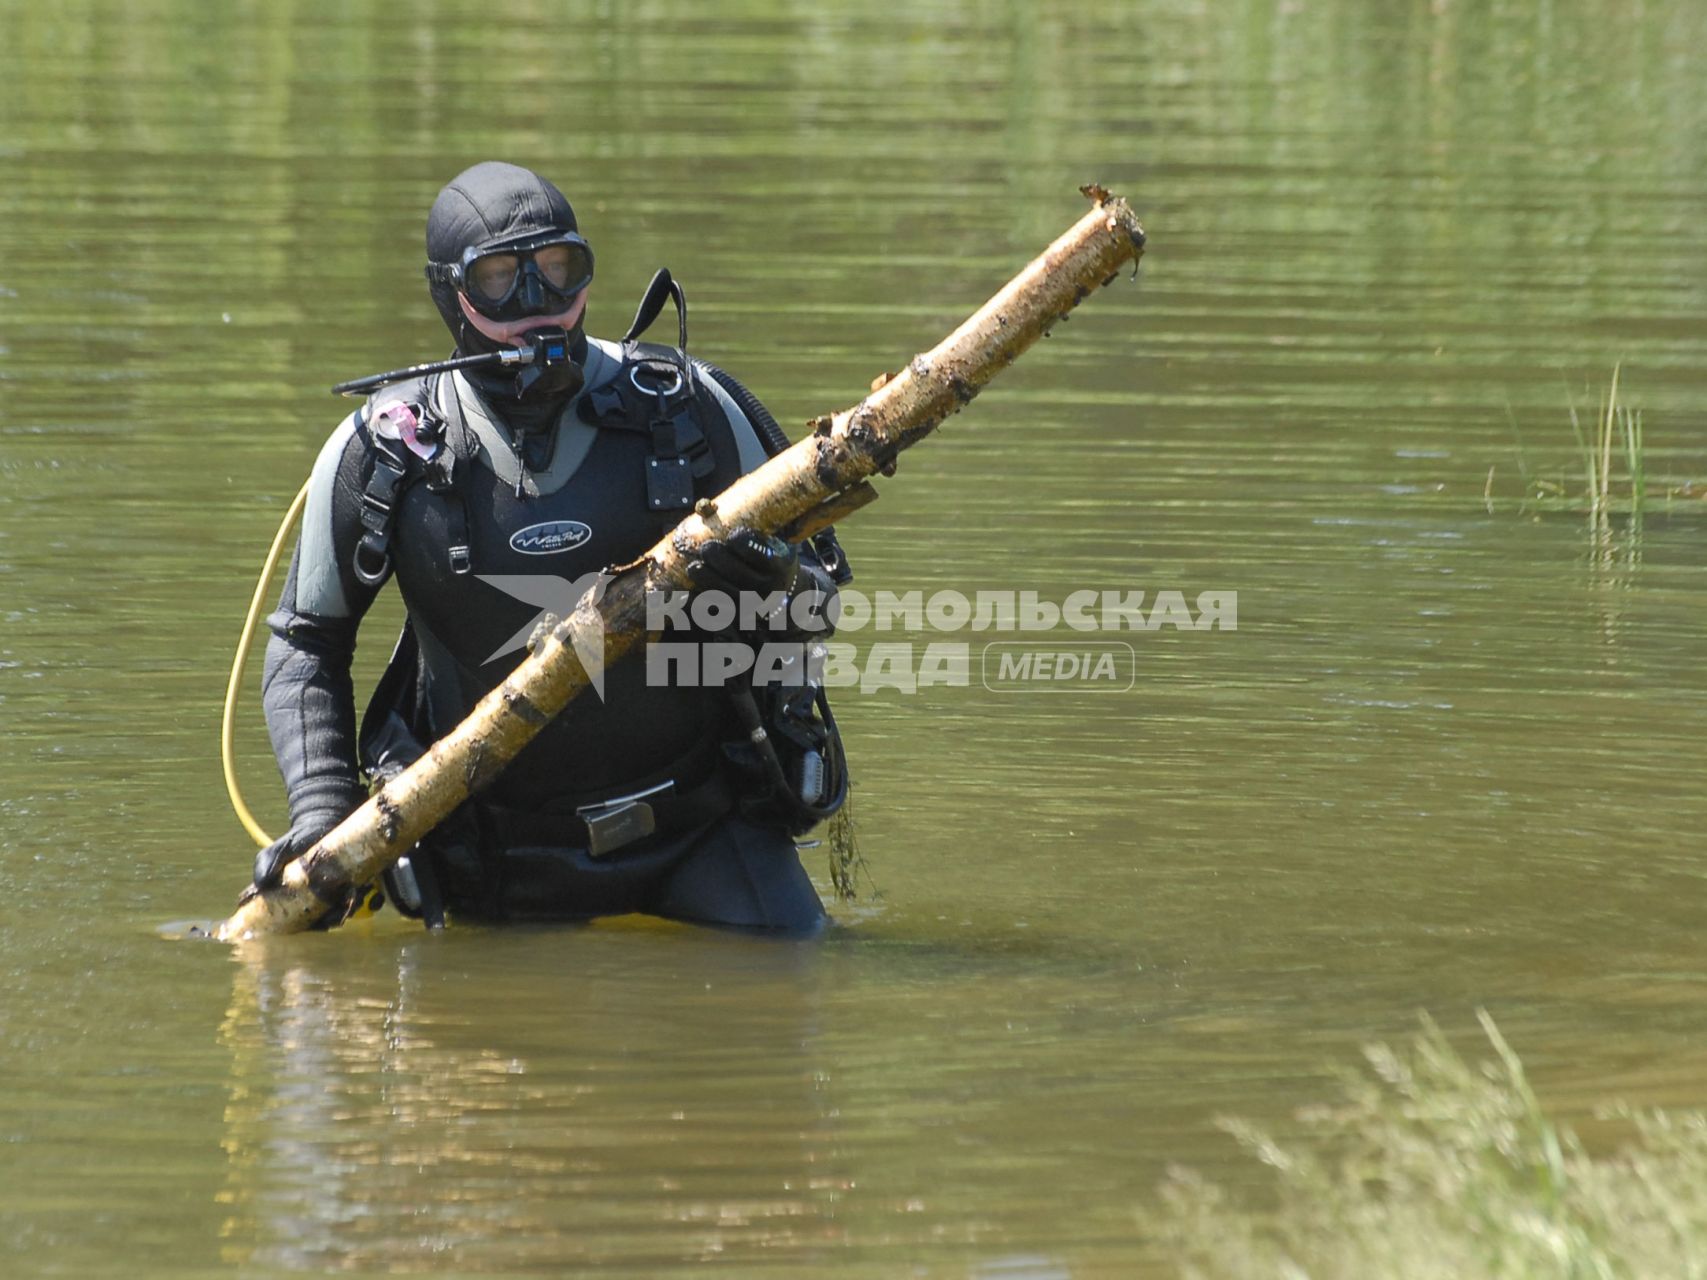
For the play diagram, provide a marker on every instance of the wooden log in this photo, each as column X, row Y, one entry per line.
column 823, row 475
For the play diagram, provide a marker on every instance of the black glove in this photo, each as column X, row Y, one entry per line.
column 746, row 560
column 305, row 832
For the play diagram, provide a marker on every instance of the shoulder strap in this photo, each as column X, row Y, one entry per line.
column 655, row 394
column 405, row 434
column 387, row 478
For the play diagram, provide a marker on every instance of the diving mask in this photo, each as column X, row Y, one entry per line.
column 536, row 276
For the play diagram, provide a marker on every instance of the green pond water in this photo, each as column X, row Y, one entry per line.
column 1450, row 758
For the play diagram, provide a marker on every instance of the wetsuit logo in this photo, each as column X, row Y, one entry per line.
column 549, row 538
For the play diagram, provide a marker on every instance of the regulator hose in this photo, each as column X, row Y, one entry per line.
column 770, row 434
column 228, row 719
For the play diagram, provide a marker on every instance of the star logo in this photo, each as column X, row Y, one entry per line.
column 551, row 594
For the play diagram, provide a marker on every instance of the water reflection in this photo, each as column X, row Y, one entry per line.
column 436, row 1101
column 1615, row 562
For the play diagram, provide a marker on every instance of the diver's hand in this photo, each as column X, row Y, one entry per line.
column 305, row 832
column 745, row 560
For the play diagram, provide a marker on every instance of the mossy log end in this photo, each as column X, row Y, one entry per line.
column 820, row 478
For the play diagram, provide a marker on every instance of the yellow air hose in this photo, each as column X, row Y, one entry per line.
column 228, row 719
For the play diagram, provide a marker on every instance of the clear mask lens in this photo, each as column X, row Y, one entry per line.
column 566, row 268
column 490, row 279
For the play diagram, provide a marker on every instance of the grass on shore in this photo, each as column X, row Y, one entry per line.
column 1434, row 1168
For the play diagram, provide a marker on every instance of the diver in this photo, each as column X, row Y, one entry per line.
column 492, row 492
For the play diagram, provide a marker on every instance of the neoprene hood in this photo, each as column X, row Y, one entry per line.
column 492, row 203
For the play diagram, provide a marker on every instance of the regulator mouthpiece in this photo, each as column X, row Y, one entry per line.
column 541, row 349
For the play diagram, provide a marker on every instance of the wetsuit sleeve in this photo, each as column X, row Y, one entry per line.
column 306, row 688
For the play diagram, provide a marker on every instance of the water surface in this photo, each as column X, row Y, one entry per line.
column 1450, row 758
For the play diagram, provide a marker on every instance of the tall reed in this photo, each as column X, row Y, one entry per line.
column 1614, row 424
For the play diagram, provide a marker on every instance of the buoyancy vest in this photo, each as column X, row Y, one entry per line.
column 631, row 455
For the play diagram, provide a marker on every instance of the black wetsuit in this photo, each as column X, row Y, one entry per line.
column 537, row 513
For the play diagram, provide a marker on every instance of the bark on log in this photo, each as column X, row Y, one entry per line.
column 821, row 476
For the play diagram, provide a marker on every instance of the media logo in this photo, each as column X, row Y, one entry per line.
column 1013, row 667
